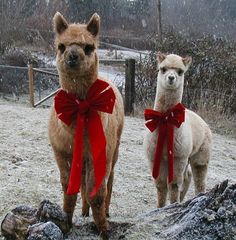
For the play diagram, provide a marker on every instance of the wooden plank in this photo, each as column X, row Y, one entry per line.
column 122, row 48
column 45, row 72
column 112, row 61
column 31, row 85
column 46, row 98
column 159, row 30
column 129, row 86
column 13, row 67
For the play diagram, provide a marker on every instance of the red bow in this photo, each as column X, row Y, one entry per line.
column 100, row 97
column 165, row 122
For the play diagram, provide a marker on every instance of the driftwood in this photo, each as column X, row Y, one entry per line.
column 15, row 224
column 48, row 222
column 207, row 216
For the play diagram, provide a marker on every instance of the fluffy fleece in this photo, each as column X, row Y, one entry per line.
column 77, row 64
column 192, row 141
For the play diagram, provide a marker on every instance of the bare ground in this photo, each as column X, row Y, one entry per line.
column 28, row 172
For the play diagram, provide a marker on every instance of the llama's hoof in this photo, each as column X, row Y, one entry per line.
column 69, row 219
column 85, row 214
column 104, row 235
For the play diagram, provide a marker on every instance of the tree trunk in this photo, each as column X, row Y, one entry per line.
column 159, row 27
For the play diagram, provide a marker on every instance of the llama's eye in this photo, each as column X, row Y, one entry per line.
column 61, row 47
column 163, row 70
column 88, row 49
column 180, row 72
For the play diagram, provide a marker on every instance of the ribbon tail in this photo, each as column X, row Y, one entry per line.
column 170, row 149
column 158, row 152
column 77, row 161
column 98, row 148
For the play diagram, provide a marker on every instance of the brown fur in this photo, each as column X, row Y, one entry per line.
column 77, row 79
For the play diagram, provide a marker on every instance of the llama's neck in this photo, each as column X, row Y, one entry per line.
column 77, row 84
column 167, row 98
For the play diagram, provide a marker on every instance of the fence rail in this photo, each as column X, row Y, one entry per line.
column 117, row 47
column 13, row 67
column 122, row 48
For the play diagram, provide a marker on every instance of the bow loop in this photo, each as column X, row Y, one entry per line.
column 100, row 97
column 165, row 123
column 66, row 106
column 105, row 101
column 153, row 119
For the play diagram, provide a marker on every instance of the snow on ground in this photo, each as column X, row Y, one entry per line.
column 114, row 72
column 28, row 172
column 50, row 61
column 120, row 54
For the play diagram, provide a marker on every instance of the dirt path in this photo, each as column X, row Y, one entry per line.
column 28, row 173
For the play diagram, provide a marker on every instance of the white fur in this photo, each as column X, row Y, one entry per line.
column 192, row 141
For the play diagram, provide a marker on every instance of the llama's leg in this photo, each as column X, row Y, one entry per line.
column 110, row 179
column 186, row 183
column 109, row 192
column 199, row 164
column 97, row 204
column 199, row 176
column 69, row 206
column 85, row 204
column 176, row 185
column 161, row 185
column 64, row 162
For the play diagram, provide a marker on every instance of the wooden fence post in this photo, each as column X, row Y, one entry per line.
column 31, row 85
column 129, row 85
column 159, row 13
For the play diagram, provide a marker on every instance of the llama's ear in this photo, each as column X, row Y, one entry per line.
column 187, row 61
column 59, row 23
column 160, row 57
column 93, row 25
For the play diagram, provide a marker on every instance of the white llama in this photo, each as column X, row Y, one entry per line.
column 192, row 139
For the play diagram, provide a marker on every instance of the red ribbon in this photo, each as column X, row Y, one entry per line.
column 165, row 123
column 100, row 97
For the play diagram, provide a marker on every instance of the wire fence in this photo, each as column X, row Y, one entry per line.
column 36, row 86
column 14, row 86
column 14, row 83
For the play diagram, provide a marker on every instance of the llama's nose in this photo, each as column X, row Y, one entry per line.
column 171, row 79
column 73, row 59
